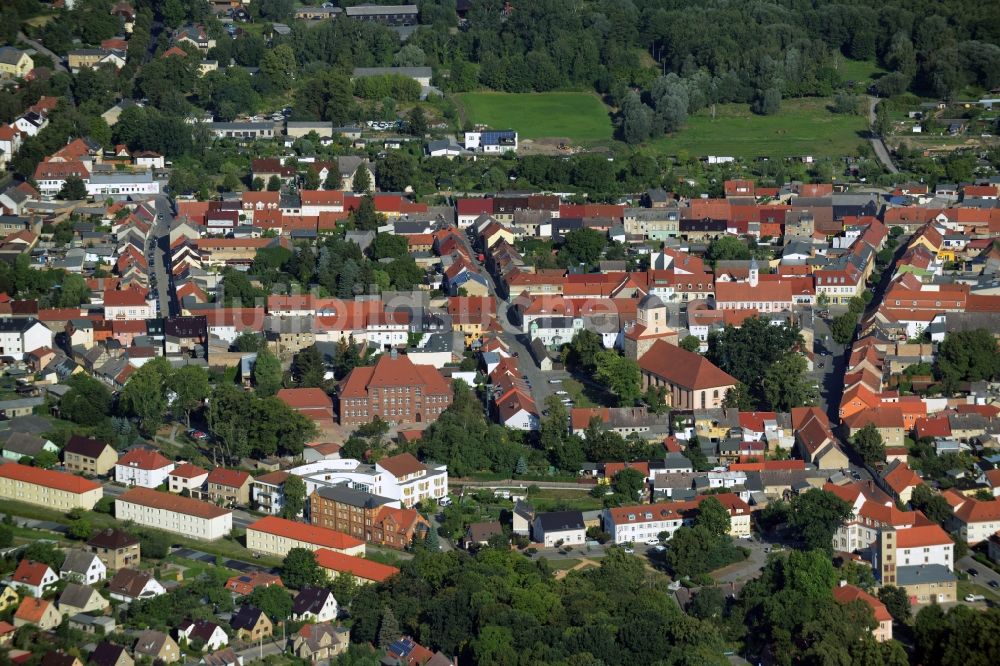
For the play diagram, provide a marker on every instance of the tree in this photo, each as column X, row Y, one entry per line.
column 728, row 248
column 362, row 180
column 710, row 602
column 73, row 189
column 294, row 492
column 365, row 217
column 87, row 402
column 787, row 384
column 248, row 341
column 389, row 246
column 713, row 516
column 882, row 126
column 583, row 246
column 897, row 602
column 630, row 484
column 395, row 172
column 6, row 536
column 300, row 569
column 691, row 343
column 274, row 600
column 45, row 459
column 933, row 505
column 45, row 552
column 266, row 373
column 843, row 327
column 814, row 517
column 416, row 121
column 189, row 385
column 308, row 369
column 868, row 444
column 766, row 102
column 748, row 352
column 620, row 375
column 967, row 356
column 696, row 550
column 273, row 184
column 144, row 396
column 80, row 529
column 388, row 631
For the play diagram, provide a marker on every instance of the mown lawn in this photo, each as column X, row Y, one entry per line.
column 802, row 127
column 862, row 72
column 579, row 117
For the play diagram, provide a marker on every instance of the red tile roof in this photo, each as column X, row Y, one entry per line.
column 244, row 584
column 845, row 594
column 47, row 478
column 32, row 610
column 312, row 534
column 683, row 368
column 144, row 459
column 920, row 536
column 231, row 478
column 29, row 572
column 401, row 465
column 124, row 298
column 169, row 502
column 356, row 566
column 188, row 471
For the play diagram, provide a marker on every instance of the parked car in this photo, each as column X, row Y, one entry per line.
column 629, row 549
column 652, row 542
column 972, row 572
column 974, row 597
column 994, row 584
column 555, row 381
column 562, row 393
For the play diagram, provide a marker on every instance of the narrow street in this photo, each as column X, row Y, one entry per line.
column 159, row 247
column 44, row 51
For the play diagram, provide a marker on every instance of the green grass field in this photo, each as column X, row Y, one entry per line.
column 802, row 127
column 862, row 72
column 579, row 117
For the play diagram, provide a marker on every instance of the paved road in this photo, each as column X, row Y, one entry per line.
column 44, row 51
column 984, row 575
column 523, row 483
column 159, row 247
column 208, row 558
column 877, row 144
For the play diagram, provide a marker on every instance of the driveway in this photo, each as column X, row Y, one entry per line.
column 878, row 145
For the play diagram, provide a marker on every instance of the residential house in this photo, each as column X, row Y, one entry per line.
column 39, row 612
column 157, row 646
column 318, row 642
column 480, row 533
column 268, row 492
column 815, row 440
column 639, row 523
column 129, row 585
column 186, row 476
column 14, row 63
column 228, row 487
column 9, row 598
column 899, row 481
column 33, row 577
column 243, row 585
column 186, row 516
column 975, row 520
column 89, row 456
column 83, row 566
column 20, row 335
column 251, row 625
column 20, row 445
column 109, row 654
column 116, row 548
column 314, row 604
column 76, row 599
column 845, row 594
column 559, row 527
column 141, row 467
column 202, row 632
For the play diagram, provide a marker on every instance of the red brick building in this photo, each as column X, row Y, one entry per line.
column 396, row 390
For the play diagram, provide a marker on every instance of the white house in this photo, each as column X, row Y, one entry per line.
column 559, row 527
column 32, row 576
column 142, row 467
column 130, row 304
column 186, row 477
column 924, row 544
column 314, row 604
column 212, row 636
column 18, row 336
column 149, row 159
column 639, row 523
column 129, row 585
column 494, row 142
column 83, row 566
column 401, row 477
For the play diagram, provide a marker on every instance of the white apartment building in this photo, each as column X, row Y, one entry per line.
column 400, row 477
column 171, row 513
column 143, row 467
column 638, row 523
